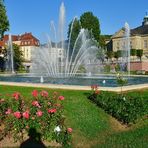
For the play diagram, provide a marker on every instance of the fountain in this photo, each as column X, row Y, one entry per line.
column 57, row 63
column 9, row 61
column 125, row 55
column 55, row 60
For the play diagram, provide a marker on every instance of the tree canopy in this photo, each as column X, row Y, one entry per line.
column 4, row 23
column 73, row 31
column 87, row 21
column 91, row 22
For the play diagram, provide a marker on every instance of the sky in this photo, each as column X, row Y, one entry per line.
column 35, row 15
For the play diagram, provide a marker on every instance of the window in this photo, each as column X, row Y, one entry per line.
column 117, row 45
column 131, row 45
column 145, row 44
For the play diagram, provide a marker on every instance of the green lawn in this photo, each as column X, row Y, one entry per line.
column 92, row 127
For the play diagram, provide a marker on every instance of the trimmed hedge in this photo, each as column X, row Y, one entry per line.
column 126, row 108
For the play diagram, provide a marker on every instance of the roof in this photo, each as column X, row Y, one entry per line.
column 26, row 39
column 141, row 30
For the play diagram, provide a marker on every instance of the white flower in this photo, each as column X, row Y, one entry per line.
column 57, row 129
column 124, row 98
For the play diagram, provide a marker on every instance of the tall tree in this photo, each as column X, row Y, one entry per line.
column 4, row 23
column 91, row 22
column 139, row 53
column 18, row 57
column 73, row 31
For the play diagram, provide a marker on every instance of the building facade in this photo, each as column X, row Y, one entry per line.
column 138, row 38
column 27, row 43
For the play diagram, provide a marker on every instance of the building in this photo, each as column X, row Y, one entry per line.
column 27, row 43
column 138, row 40
column 138, row 37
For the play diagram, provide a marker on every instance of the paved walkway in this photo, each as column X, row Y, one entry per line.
column 74, row 87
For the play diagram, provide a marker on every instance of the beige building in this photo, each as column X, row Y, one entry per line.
column 27, row 43
column 138, row 38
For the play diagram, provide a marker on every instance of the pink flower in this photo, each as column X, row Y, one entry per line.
column 39, row 113
column 36, row 103
column 27, row 127
column 2, row 100
column 16, row 95
column 58, row 105
column 97, row 92
column 35, row 93
column 69, row 130
column 44, row 93
column 26, row 114
column 94, row 87
column 49, row 103
column 17, row 114
column 61, row 98
column 8, row 111
column 52, row 110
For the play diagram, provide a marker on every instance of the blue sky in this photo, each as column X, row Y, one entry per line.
column 35, row 15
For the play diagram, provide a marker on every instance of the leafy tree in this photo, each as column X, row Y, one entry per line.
column 3, row 53
column 133, row 52
column 139, row 53
column 110, row 54
column 91, row 22
column 18, row 57
column 117, row 54
column 73, row 31
column 4, row 23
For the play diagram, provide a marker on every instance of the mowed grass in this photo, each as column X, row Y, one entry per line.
column 92, row 127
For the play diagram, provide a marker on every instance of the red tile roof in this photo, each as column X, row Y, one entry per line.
column 26, row 39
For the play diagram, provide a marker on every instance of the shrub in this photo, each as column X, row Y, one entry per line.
column 126, row 108
column 42, row 112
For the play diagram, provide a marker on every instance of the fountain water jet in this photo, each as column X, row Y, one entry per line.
column 10, row 54
column 56, row 61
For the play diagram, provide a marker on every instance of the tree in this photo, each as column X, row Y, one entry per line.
column 117, row 54
column 133, row 52
column 91, row 22
column 73, row 31
column 139, row 53
column 3, row 53
column 4, row 23
column 110, row 54
column 18, row 57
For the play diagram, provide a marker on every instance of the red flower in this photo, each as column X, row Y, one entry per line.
column 69, row 130
column 61, row 98
column 94, row 87
column 35, row 93
column 58, row 105
column 8, row 111
column 97, row 92
column 17, row 114
column 26, row 114
column 52, row 110
column 16, row 95
column 36, row 103
column 39, row 113
column 44, row 93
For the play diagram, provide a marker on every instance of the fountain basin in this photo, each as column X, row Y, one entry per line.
column 100, row 80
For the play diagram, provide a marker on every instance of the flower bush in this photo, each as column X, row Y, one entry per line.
column 126, row 108
column 42, row 112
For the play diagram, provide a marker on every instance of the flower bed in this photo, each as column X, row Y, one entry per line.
column 41, row 112
column 126, row 108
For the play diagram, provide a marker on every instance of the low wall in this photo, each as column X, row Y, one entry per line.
column 138, row 66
